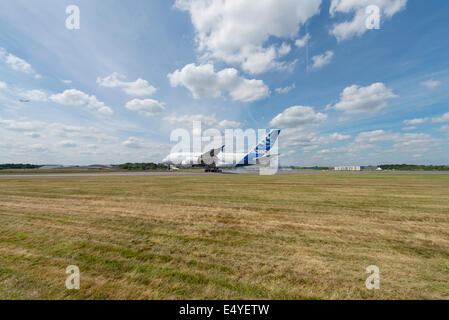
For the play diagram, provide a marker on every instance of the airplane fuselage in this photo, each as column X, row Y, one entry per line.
column 216, row 159
column 193, row 159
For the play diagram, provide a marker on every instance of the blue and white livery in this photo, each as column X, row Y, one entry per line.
column 216, row 159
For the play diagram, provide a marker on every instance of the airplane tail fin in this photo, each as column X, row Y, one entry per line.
column 266, row 143
column 262, row 148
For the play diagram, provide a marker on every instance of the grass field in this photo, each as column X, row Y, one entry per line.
column 225, row 237
column 48, row 171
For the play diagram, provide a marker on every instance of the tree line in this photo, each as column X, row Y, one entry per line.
column 411, row 167
column 143, row 166
column 18, row 166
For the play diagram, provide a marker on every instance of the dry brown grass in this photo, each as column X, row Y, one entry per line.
column 225, row 236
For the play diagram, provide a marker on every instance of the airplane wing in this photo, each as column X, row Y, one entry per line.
column 210, row 156
column 265, row 160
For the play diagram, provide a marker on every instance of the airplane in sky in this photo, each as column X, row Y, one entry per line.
column 216, row 159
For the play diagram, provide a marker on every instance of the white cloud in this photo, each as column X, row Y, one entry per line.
column 17, row 64
column 3, row 86
column 229, row 124
column 286, row 89
column 431, row 84
column 76, row 132
column 409, row 128
column 69, row 144
column 66, row 81
column 357, row 26
column 380, row 143
column 75, row 98
column 303, row 41
column 298, row 116
column 375, row 136
column 307, row 140
column 416, row 121
column 284, row 49
column 36, row 129
column 209, row 121
column 148, row 107
column 411, row 142
column 134, row 143
column 139, row 87
column 321, row 60
column 403, row 141
column 34, row 95
column 21, row 126
column 443, row 118
column 203, row 82
column 236, row 31
column 370, row 99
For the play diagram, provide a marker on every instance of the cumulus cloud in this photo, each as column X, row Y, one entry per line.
column 77, row 98
column 302, row 41
column 17, row 64
column 236, row 31
column 370, row 99
column 286, row 89
column 431, row 84
column 357, row 26
column 203, row 82
column 138, row 88
column 321, row 60
column 147, row 107
column 416, row 121
column 284, row 49
column 443, row 118
column 298, row 116
column 3, row 85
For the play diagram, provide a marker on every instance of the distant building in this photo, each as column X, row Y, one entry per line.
column 348, row 168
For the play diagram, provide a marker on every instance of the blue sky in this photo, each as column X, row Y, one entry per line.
column 114, row 90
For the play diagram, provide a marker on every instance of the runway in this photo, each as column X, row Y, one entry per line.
column 109, row 174
column 200, row 173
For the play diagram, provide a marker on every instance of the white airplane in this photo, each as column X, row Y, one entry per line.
column 216, row 159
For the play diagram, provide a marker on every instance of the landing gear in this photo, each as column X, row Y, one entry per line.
column 216, row 170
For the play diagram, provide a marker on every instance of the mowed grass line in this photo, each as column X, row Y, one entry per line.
column 225, row 237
